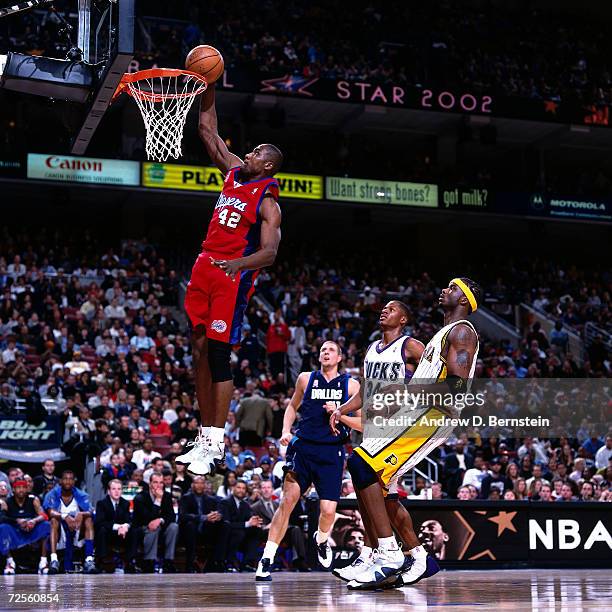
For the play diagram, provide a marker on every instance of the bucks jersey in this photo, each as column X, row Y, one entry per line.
column 392, row 449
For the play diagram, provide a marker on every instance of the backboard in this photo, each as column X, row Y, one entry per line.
column 106, row 38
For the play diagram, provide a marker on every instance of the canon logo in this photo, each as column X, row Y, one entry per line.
column 74, row 163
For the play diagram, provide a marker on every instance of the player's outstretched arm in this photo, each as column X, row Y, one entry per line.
column 270, row 214
column 292, row 407
column 215, row 145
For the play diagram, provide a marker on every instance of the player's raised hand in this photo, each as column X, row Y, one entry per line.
column 231, row 267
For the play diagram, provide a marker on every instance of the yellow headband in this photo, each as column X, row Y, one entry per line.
column 467, row 292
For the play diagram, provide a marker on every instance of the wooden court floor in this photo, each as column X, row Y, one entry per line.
column 572, row 590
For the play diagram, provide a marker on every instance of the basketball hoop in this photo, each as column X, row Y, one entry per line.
column 164, row 97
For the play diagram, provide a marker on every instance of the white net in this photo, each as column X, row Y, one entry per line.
column 164, row 102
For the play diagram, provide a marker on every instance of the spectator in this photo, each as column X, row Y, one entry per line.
column 464, row 494
column 587, row 492
column 24, row 523
column 254, row 417
column 113, row 526
column 496, row 480
column 244, row 529
column 559, row 337
column 520, row 489
column 592, row 445
column 455, row 466
column 566, row 494
column 154, row 519
column 47, row 480
column 545, row 494
column 199, row 518
column 145, row 455
column 265, row 508
column 157, row 426
column 137, row 421
column 604, row 454
column 475, row 475
column 277, row 344
column 229, row 481
column 142, row 342
column 70, row 515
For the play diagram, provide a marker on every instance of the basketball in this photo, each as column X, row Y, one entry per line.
column 207, row 61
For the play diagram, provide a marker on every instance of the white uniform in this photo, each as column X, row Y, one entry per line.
column 71, row 509
column 390, row 449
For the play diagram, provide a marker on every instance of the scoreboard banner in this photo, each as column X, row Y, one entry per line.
column 465, row 533
column 381, row 192
column 210, row 179
column 401, row 95
column 83, row 169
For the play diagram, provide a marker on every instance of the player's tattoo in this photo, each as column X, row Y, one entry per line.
column 463, row 358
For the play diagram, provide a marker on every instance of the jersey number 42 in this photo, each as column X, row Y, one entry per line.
column 231, row 221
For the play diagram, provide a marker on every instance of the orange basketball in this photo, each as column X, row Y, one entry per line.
column 205, row 60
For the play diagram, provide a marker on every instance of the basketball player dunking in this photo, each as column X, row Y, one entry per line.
column 243, row 236
column 392, row 360
column 315, row 455
column 447, row 364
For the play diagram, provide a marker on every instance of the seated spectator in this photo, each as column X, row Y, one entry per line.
column 47, row 480
column 181, row 478
column 536, row 475
column 475, row 475
column 265, row 508
column 113, row 526
column 157, row 426
column 70, row 515
column 464, row 494
column 137, row 421
column 495, row 480
column 199, row 517
column 114, row 471
column 244, row 533
column 592, row 445
column 509, row 495
column 587, row 492
column 604, row 454
column 436, row 491
column 154, row 519
column 229, row 481
column 545, row 494
column 520, row 489
column 566, row 494
column 455, row 466
column 24, row 523
column 234, row 457
column 145, row 455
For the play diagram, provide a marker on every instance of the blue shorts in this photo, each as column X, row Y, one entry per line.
column 319, row 464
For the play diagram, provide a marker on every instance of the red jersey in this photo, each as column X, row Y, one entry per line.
column 234, row 230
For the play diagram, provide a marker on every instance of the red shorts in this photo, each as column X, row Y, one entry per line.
column 216, row 301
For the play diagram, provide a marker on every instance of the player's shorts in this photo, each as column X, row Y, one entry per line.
column 319, row 464
column 216, row 301
column 391, row 458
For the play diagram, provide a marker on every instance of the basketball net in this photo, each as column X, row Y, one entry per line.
column 164, row 97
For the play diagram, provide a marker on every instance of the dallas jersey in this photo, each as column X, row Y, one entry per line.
column 391, row 450
column 314, row 420
column 235, row 228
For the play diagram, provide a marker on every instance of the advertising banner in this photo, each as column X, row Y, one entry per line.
column 466, row 198
column 455, row 531
column 83, row 169
column 209, row 179
column 381, row 192
column 18, row 435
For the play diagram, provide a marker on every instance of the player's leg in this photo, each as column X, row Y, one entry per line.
column 326, row 463
column 54, row 537
column 420, row 565
column 365, row 557
column 389, row 559
column 278, row 527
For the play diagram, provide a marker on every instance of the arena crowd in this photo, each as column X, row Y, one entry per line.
column 102, row 340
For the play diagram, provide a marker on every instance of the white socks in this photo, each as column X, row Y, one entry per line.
column 418, row 552
column 205, row 432
column 389, row 543
column 270, row 550
column 321, row 537
column 53, row 556
column 366, row 552
column 217, row 435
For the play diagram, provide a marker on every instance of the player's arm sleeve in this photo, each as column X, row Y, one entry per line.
column 219, row 154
